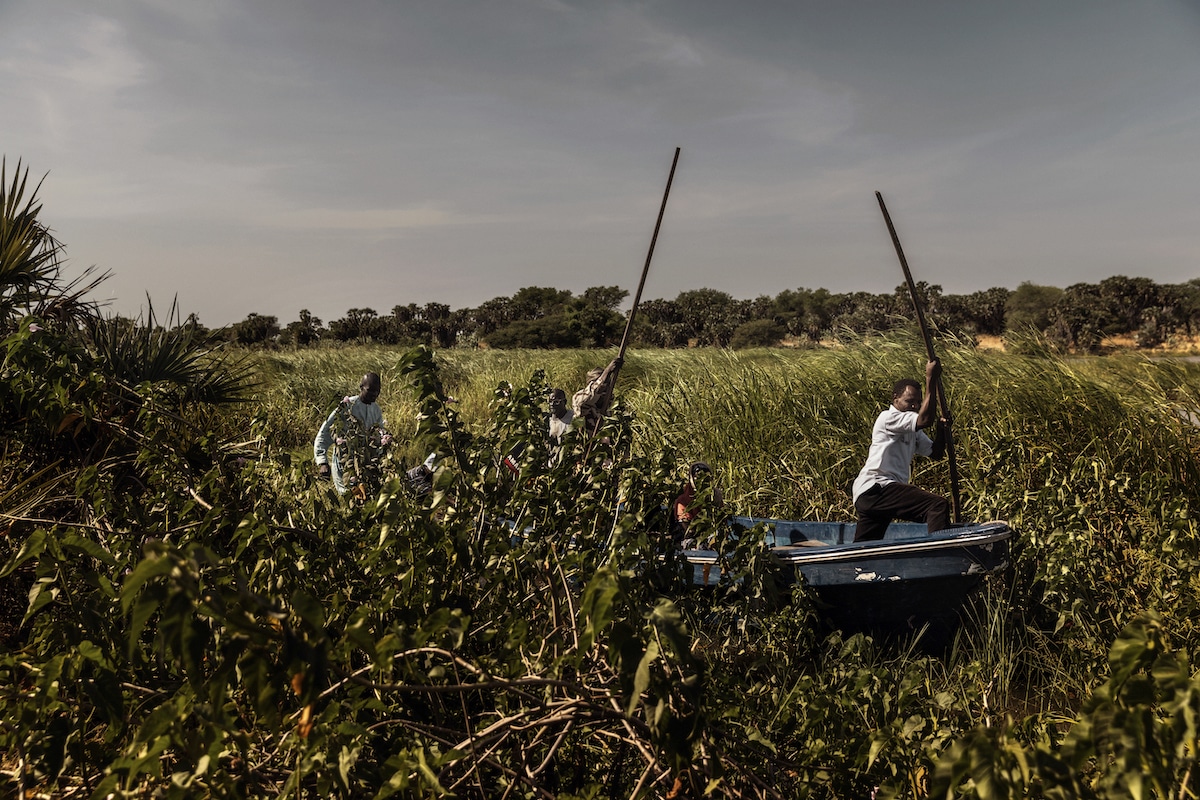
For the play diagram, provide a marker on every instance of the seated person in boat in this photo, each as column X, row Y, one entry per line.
column 699, row 494
column 882, row 491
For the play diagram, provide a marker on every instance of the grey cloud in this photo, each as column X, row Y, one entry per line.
column 278, row 155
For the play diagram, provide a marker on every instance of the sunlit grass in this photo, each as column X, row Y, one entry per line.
column 1093, row 461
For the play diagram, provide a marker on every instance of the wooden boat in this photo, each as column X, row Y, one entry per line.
column 900, row 582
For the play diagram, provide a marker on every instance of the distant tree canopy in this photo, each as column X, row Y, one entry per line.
column 255, row 329
column 1028, row 308
column 1076, row 318
column 757, row 333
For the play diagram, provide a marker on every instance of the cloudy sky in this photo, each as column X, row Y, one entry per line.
column 271, row 155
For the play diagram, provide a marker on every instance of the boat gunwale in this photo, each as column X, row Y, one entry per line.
column 799, row 554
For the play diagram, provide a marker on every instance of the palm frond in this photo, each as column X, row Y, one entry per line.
column 29, row 254
column 183, row 365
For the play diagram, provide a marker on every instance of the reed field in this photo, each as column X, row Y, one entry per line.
column 216, row 622
column 788, row 428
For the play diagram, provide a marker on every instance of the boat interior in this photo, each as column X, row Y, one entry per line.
column 790, row 533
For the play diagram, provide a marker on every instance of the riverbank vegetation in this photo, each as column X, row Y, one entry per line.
column 189, row 612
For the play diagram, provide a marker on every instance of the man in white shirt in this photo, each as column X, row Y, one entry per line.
column 882, row 491
column 560, row 416
column 361, row 408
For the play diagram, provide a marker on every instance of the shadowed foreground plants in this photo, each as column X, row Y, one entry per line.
column 263, row 637
column 1136, row 736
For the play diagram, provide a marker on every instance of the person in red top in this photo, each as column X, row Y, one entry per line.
column 698, row 490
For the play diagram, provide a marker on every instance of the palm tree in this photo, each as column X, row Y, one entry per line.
column 30, row 260
column 79, row 389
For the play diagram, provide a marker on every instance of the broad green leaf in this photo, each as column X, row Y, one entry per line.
column 641, row 676
column 74, row 541
column 152, row 566
column 93, row 653
column 32, row 548
column 596, row 609
column 309, row 609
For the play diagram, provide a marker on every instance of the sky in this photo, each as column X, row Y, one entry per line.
column 268, row 156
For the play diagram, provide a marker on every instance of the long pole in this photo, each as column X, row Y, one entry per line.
column 637, row 298
column 938, row 388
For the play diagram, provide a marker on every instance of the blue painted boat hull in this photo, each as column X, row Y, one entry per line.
column 900, row 582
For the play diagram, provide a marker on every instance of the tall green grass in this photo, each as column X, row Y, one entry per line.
column 298, row 388
column 1093, row 461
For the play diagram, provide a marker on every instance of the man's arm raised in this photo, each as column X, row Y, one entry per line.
column 928, row 413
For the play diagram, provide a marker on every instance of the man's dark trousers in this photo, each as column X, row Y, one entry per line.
column 882, row 503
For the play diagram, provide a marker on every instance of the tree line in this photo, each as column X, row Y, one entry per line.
column 1076, row 318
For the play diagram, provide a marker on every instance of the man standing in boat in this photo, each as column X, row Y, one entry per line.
column 882, row 491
